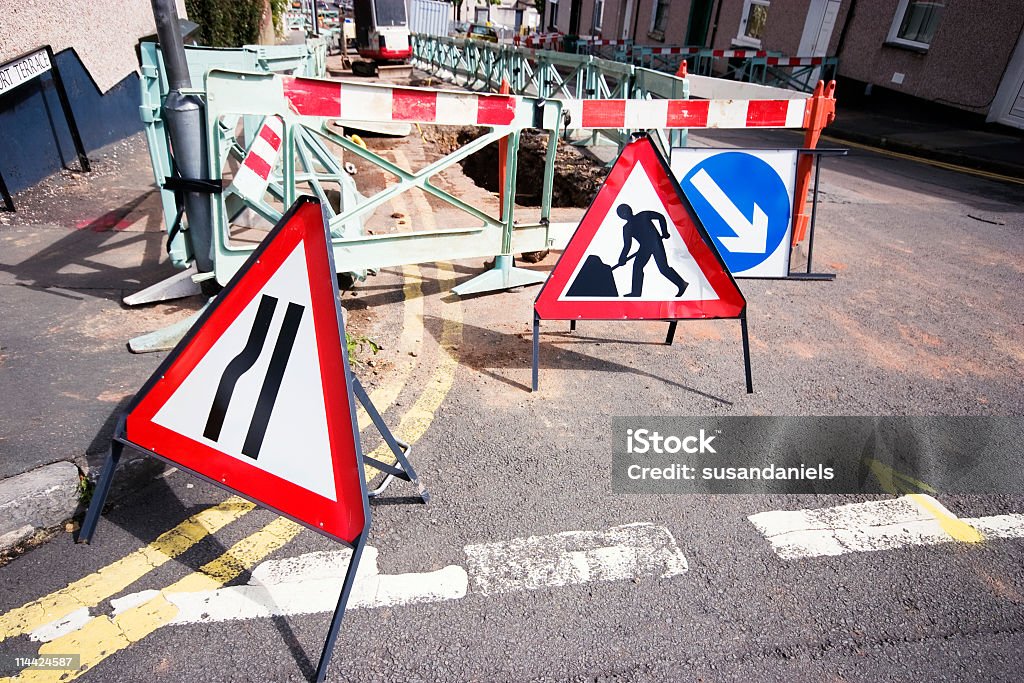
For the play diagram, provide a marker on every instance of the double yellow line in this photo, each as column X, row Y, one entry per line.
column 103, row 636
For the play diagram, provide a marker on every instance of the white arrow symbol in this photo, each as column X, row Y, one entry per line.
column 751, row 236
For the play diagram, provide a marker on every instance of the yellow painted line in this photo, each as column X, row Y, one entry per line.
column 931, row 162
column 90, row 590
column 418, row 418
column 104, row 636
column 955, row 527
column 896, row 483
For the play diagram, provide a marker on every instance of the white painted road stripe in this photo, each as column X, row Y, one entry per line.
column 574, row 557
column 870, row 526
column 311, row 583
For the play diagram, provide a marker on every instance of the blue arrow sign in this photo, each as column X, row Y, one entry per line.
column 744, row 205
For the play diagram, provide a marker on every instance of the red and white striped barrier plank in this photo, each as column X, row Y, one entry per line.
column 597, row 42
column 355, row 102
column 645, row 114
column 253, row 175
column 795, row 61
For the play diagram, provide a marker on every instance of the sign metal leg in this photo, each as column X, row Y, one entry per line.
column 339, row 611
column 746, row 352
column 399, row 448
column 536, row 351
column 99, row 494
column 671, row 332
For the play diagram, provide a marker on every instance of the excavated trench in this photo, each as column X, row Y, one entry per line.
column 576, row 180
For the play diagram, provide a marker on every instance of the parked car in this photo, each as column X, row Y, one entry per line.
column 483, row 32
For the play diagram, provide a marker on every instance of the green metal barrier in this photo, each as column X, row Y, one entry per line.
column 547, row 74
column 304, row 60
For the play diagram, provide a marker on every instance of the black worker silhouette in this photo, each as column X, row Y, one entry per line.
column 649, row 229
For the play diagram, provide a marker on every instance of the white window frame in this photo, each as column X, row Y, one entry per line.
column 654, row 15
column 893, row 38
column 598, row 16
column 742, row 38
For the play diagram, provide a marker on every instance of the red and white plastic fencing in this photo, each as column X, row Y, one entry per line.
column 253, row 175
column 648, row 114
column 542, row 40
column 333, row 99
column 737, row 54
column 356, row 102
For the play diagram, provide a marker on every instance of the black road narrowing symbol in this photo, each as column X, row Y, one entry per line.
column 244, row 361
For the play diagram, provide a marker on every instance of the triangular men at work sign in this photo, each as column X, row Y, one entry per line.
column 640, row 252
column 257, row 397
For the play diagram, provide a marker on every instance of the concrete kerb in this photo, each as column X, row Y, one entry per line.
column 48, row 497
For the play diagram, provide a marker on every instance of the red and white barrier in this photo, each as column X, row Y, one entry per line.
column 314, row 97
column 646, row 114
column 253, row 175
column 795, row 61
column 333, row 99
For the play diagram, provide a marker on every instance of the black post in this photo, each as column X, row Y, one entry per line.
column 185, row 118
column 746, row 352
column 69, row 115
column 99, row 494
column 316, row 18
column 536, row 350
column 671, row 332
column 814, row 211
column 8, row 200
column 572, row 325
column 339, row 611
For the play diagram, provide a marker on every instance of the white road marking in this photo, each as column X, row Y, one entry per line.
column 573, row 557
column 311, row 583
column 869, row 526
column 66, row 624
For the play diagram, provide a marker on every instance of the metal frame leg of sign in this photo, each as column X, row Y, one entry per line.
column 809, row 275
column 672, row 325
column 400, row 449
column 747, row 371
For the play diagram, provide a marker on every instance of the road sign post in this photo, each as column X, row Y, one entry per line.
column 640, row 253
column 258, row 398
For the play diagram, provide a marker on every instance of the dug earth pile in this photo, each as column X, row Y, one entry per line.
column 577, row 175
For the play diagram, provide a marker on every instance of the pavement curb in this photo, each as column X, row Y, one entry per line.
column 966, row 160
column 46, row 497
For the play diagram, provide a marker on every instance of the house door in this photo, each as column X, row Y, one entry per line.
column 1008, row 105
column 821, row 20
column 818, row 27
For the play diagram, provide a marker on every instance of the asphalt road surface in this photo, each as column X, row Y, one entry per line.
column 486, row 584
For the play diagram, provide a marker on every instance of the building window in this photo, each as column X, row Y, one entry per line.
column 915, row 23
column 598, row 16
column 752, row 22
column 659, row 19
column 553, row 16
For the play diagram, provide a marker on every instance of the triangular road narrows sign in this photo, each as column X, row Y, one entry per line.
column 257, row 397
column 640, row 253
